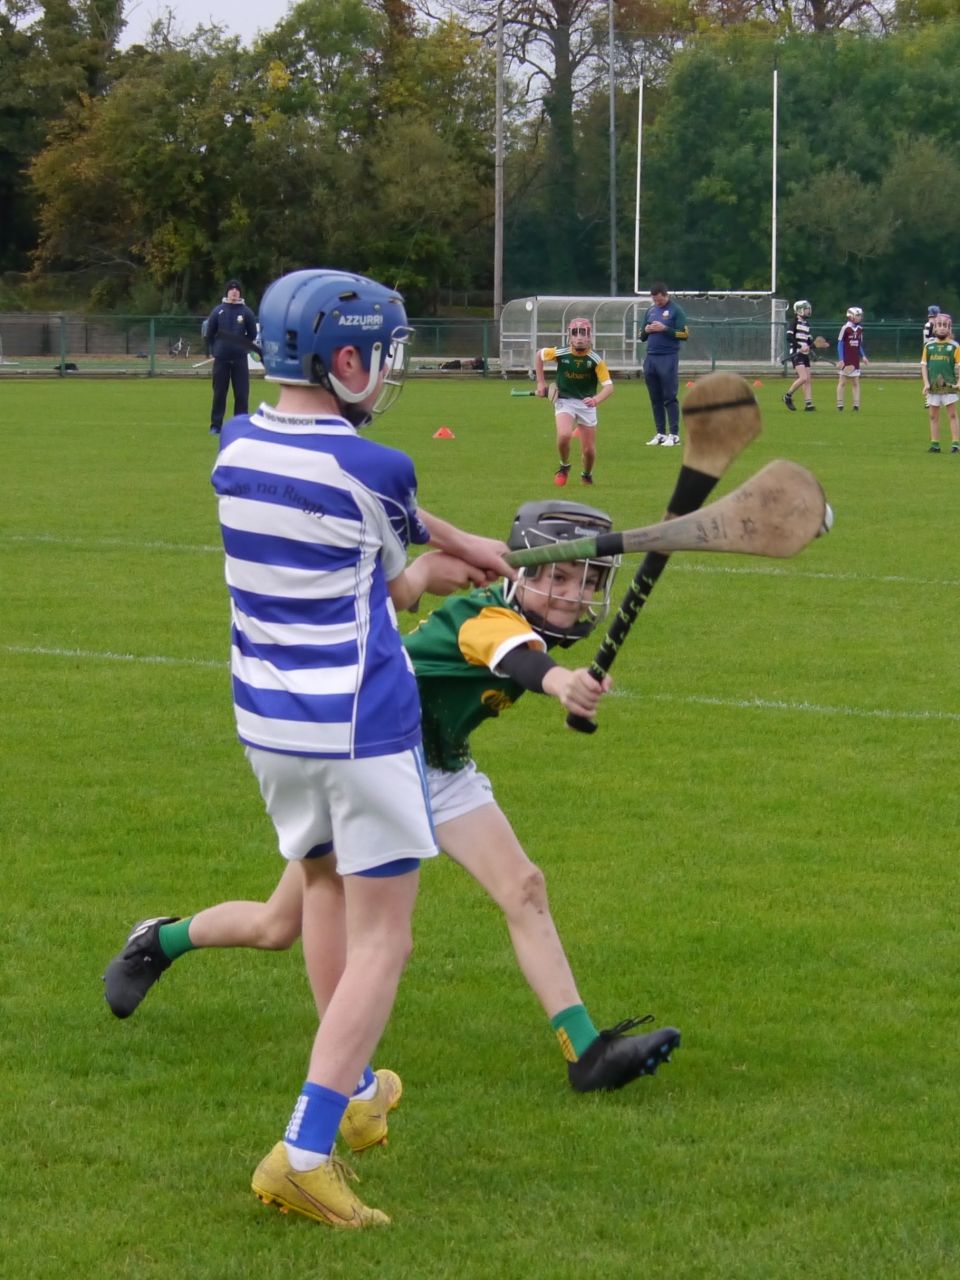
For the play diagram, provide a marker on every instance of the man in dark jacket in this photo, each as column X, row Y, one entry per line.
column 231, row 334
column 663, row 328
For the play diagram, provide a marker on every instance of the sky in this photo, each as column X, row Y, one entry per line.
column 240, row 17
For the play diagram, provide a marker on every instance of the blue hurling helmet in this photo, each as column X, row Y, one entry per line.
column 308, row 315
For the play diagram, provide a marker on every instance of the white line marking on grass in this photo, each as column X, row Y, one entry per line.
column 810, row 708
column 772, row 572
column 124, row 543
column 734, row 704
column 763, row 571
column 159, row 659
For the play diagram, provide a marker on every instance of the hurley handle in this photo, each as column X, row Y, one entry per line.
column 691, row 492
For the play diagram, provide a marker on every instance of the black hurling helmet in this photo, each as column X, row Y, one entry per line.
column 538, row 523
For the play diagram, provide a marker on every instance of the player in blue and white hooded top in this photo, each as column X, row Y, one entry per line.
column 316, row 522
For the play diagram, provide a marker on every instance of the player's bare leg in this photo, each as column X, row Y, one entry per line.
column 805, row 375
column 302, row 1172
column 273, row 925
column 483, row 842
column 364, row 1122
column 934, row 412
column 378, row 944
column 588, row 451
column 565, row 425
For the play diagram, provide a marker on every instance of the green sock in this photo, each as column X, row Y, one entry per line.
column 575, row 1031
column 174, row 938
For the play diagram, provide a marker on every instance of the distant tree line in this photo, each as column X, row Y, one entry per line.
column 359, row 133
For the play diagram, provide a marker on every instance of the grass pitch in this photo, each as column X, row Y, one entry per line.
column 759, row 845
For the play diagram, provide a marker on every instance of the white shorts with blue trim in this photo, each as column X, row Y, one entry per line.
column 371, row 811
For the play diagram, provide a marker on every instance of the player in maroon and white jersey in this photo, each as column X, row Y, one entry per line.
column 850, row 355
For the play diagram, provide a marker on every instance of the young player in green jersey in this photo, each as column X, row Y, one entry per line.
column 940, row 370
column 583, row 382
column 474, row 656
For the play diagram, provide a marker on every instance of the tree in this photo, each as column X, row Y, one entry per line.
column 52, row 53
column 152, row 176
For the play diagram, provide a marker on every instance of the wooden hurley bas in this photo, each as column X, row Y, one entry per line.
column 777, row 513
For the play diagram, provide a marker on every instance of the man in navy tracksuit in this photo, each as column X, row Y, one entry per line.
column 663, row 328
column 231, row 333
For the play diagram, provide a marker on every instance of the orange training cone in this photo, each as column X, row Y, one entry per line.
column 444, row 434
column 689, row 384
column 757, row 382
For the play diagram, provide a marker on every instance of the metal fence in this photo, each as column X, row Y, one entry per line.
column 61, row 345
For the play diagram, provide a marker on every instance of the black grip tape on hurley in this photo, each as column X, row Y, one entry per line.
column 690, row 492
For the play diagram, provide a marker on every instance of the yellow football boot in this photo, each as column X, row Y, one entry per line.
column 323, row 1194
column 364, row 1124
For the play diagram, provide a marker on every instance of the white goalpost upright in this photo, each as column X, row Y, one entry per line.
column 732, row 327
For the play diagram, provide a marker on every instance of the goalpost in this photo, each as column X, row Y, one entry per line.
column 728, row 327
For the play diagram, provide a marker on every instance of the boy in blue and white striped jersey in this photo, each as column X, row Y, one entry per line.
column 316, row 523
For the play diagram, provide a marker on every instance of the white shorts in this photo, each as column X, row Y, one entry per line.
column 371, row 811
column 454, row 794
column 584, row 414
column 936, row 399
column 850, row 371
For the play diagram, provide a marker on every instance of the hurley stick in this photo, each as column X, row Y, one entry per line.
column 720, row 417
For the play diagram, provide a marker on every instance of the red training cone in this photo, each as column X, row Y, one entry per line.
column 757, row 382
column 444, row 434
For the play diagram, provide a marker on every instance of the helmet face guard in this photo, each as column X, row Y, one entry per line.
column 580, row 332
column 942, row 322
column 855, row 314
column 802, row 307
column 307, row 316
column 538, row 589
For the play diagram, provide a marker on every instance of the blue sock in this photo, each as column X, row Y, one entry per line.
column 313, row 1126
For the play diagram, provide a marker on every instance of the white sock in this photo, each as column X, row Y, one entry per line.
column 303, row 1161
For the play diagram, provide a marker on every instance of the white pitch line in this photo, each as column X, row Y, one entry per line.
column 773, row 572
column 156, row 659
column 809, row 708
column 733, row 704
column 677, row 565
column 126, row 544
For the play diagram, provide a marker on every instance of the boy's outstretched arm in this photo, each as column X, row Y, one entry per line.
column 576, row 690
column 434, row 572
column 484, row 553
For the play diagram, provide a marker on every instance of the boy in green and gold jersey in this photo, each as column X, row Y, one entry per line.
column 583, row 382
column 474, row 656
column 940, row 370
